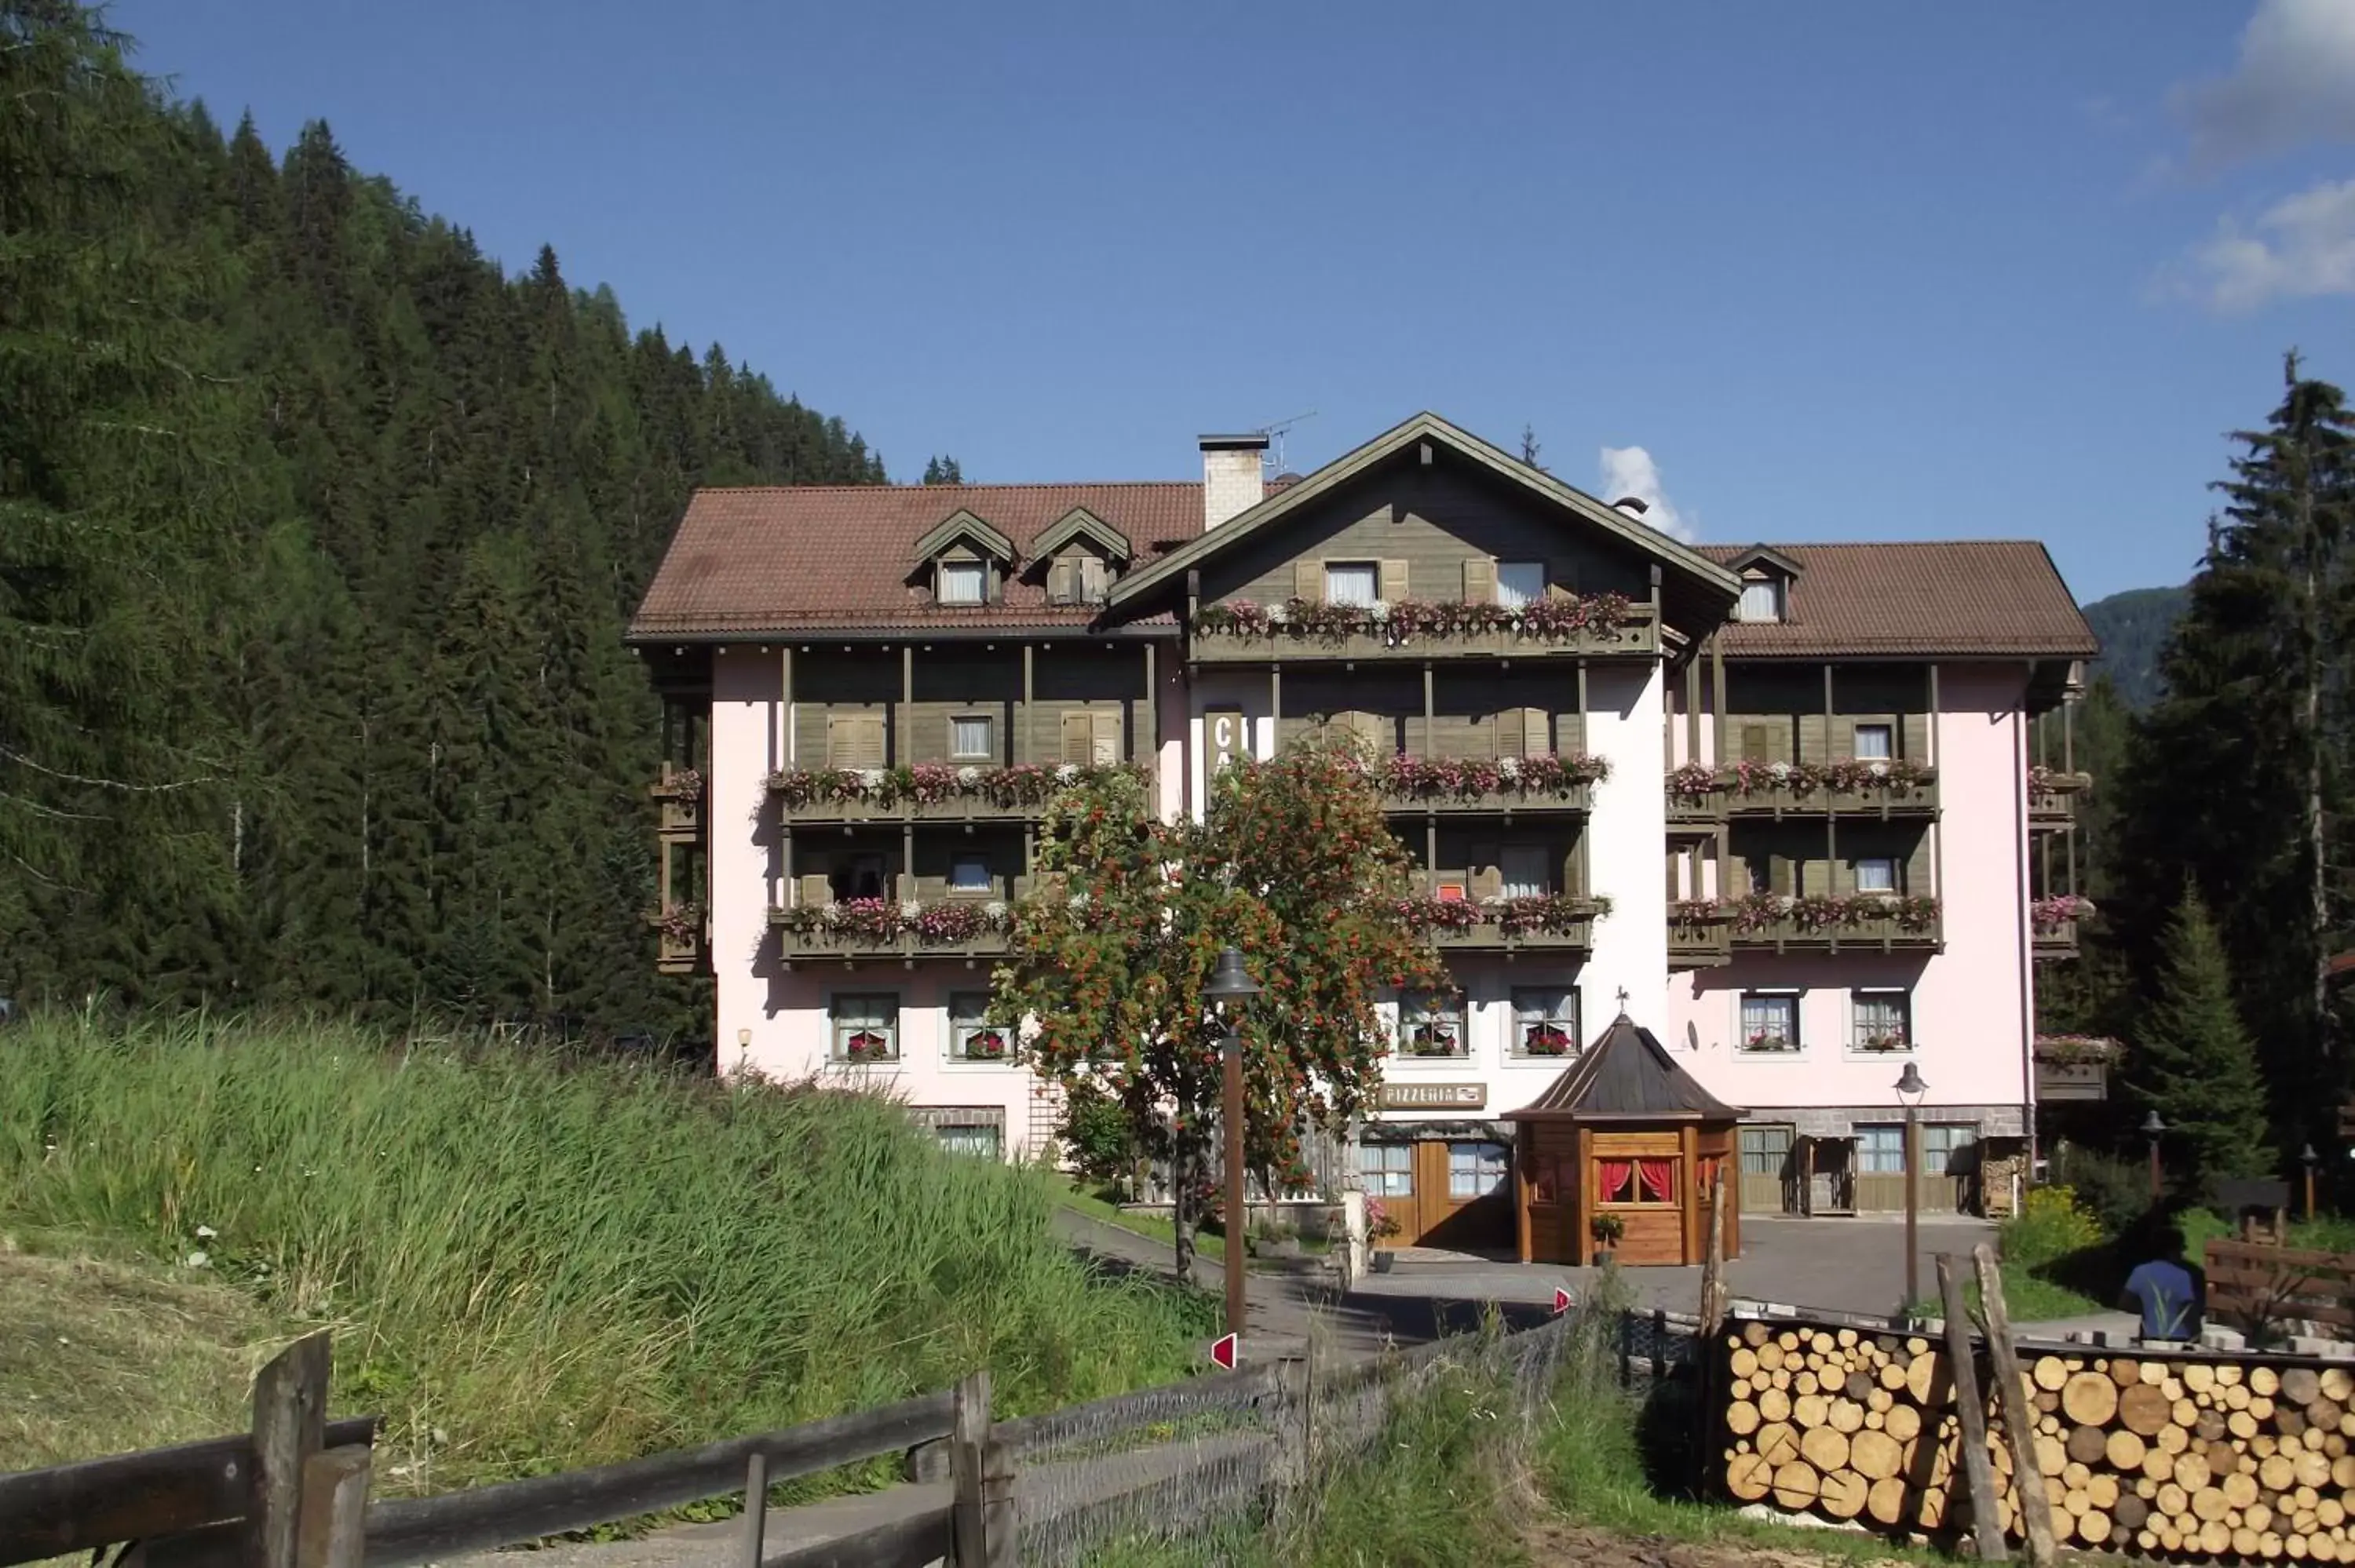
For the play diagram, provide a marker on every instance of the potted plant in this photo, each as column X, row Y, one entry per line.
column 1606, row 1229
column 1380, row 1226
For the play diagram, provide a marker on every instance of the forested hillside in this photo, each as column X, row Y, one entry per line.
column 2134, row 627
column 317, row 535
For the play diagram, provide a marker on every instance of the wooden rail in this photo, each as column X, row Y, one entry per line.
column 2254, row 1286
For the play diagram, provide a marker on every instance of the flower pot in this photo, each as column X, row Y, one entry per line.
column 1384, row 1260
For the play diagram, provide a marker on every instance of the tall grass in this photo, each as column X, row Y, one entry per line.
column 534, row 1263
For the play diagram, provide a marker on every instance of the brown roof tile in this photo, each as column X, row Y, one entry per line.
column 782, row 559
column 1991, row 597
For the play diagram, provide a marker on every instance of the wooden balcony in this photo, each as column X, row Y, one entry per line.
column 1637, row 633
column 680, row 796
column 1575, row 799
column 2052, row 799
column 2052, row 925
column 1814, row 789
column 2054, row 941
column 1841, row 925
column 682, row 941
column 868, row 930
column 1698, row 944
column 1568, row 928
column 814, row 796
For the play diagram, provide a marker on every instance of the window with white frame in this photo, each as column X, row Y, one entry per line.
column 1385, row 1170
column 1430, row 1024
column 1884, row 1021
column 1351, row 582
column 1526, row 870
column 972, row 1036
column 980, row 1140
column 1520, row 583
column 1476, row 1170
column 867, row 1028
column 1875, row 743
column 1545, row 1020
column 1876, row 873
column 962, row 582
column 969, row 737
column 1761, row 599
column 1949, row 1147
column 1770, row 1020
column 1881, row 1149
column 970, row 874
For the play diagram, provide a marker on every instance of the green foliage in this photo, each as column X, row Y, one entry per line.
column 2051, row 1223
column 1295, row 865
column 2194, row 1064
column 2115, row 1190
column 532, row 1264
column 317, row 536
column 1096, row 1134
column 2134, row 627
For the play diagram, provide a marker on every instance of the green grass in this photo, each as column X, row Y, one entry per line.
column 531, row 1264
column 1152, row 1227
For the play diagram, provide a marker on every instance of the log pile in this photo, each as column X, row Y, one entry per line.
column 2165, row 1456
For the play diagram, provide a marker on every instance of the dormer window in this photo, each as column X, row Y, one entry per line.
column 962, row 582
column 1761, row 599
column 1078, row 557
column 1767, row 575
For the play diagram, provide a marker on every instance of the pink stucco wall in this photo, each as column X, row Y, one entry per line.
column 1971, row 1002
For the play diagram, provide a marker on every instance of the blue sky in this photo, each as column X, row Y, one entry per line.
column 1842, row 270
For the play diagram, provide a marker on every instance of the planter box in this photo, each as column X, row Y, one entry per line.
column 1640, row 636
column 1880, row 936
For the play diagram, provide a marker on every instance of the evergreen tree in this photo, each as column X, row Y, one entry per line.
column 944, row 470
column 1530, row 446
column 2192, row 1061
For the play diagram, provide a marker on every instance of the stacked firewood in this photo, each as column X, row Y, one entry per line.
column 2173, row 1455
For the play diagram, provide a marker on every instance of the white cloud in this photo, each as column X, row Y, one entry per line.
column 1630, row 470
column 2296, row 248
column 2294, row 82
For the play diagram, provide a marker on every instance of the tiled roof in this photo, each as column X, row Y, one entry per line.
column 1626, row 1075
column 813, row 558
column 1992, row 597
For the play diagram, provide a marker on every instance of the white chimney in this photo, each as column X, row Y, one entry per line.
column 1230, row 482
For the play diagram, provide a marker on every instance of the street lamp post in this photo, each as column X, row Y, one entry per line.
column 1909, row 1090
column 1230, row 987
column 2154, row 1129
column 2309, row 1158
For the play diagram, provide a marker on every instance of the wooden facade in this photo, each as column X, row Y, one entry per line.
column 1625, row 1132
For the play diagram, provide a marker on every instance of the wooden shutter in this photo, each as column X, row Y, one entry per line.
column 1524, row 732
column 1390, row 587
column 1094, row 580
column 1779, row 875
column 1079, row 737
column 1488, row 881
column 854, row 740
column 814, row 890
column 1105, row 737
column 1480, row 581
column 1061, row 580
column 1756, row 744
column 1309, row 581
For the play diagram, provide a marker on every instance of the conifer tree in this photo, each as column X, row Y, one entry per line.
column 2193, row 1062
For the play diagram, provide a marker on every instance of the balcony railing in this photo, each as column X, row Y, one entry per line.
column 1542, row 922
column 1849, row 786
column 678, row 794
column 1700, row 936
column 1474, row 786
column 2052, row 798
column 682, row 940
column 2052, row 925
column 1857, row 922
column 1244, row 632
column 888, row 927
column 933, row 791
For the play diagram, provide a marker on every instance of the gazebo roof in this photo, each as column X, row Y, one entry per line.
column 1626, row 1076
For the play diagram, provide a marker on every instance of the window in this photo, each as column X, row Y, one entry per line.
column 1095, row 579
column 1475, row 1170
column 1876, row 873
column 1351, row 582
column 1761, row 873
column 1884, row 1021
column 1545, row 1020
column 1385, row 1170
column 857, row 876
column 1645, row 1180
column 867, row 1028
column 1881, row 1149
column 1430, row 1024
column 972, row 1037
column 1874, row 743
column 1520, row 583
column 981, row 1141
column 961, row 582
column 1770, row 1022
column 1524, row 867
column 1761, row 599
column 1949, row 1147
column 1765, row 1151
column 970, row 874
column 969, row 737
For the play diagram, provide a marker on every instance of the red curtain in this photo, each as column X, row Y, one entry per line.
column 1659, row 1179
column 1611, row 1175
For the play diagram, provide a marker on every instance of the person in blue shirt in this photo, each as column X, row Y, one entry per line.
column 2167, row 1292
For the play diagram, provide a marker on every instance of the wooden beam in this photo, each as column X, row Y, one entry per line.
column 1987, row 1519
column 1524, row 1152
column 1151, row 748
column 968, row 1435
column 331, row 1527
column 1430, row 713
column 1023, row 739
column 900, row 737
column 1688, row 1227
column 2019, row 1413
column 1717, row 676
column 290, row 1424
column 790, row 748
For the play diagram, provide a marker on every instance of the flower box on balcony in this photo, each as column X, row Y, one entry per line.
column 931, row 790
column 1416, row 629
column 1480, row 784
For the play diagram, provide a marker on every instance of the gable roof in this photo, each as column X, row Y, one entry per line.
column 1977, row 597
column 1425, row 427
column 1626, row 1076
column 780, row 560
column 963, row 524
column 1079, row 523
column 1763, row 554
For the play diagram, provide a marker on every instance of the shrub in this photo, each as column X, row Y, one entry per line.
column 2116, row 1191
column 1096, row 1134
column 2051, row 1223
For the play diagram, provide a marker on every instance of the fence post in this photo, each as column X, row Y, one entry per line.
column 331, row 1531
column 290, row 1424
column 982, row 1518
column 756, row 1508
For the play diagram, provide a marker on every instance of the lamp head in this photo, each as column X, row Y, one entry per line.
column 1910, row 1086
column 2308, row 1157
column 1230, row 982
column 2152, row 1126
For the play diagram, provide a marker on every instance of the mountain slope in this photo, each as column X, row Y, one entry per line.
column 2134, row 627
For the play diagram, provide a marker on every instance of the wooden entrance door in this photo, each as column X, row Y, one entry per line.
column 1445, row 1193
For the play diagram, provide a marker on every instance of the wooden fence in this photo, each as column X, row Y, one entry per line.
column 2257, row 1288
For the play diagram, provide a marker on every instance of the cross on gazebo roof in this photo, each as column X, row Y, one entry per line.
column 1623, row 999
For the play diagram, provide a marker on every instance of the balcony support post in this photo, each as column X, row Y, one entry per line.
column 1274, row 709
column 789, row 748
column 1717, row 696
column 1581, row 708
column 1022, row 740
column 1150, row 748
column 1693, row 710
column 907, row 859
column 901, row 741
column 1430, row 713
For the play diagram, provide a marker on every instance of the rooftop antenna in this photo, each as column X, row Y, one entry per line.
column 1274, row 433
